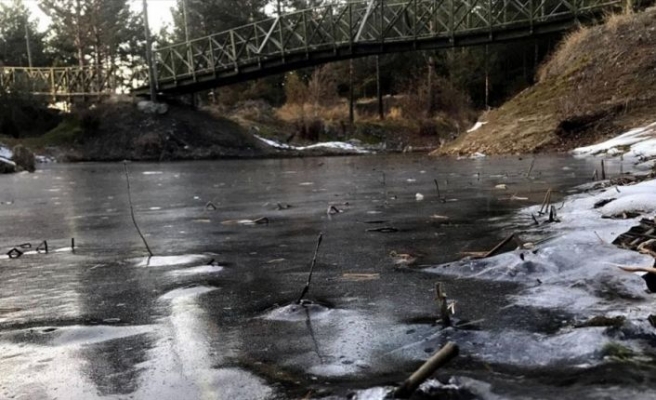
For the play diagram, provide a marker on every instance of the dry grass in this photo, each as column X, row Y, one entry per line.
column 566, row 54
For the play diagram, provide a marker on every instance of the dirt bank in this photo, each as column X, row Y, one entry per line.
column 120, row 131
column 600, row 82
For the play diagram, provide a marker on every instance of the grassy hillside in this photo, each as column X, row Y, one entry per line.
column 599, row 82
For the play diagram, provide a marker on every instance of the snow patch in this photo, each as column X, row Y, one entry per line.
column 636, row 144
column 325, row 145
column 478, row 125
column 6, row 153
column 642, row 203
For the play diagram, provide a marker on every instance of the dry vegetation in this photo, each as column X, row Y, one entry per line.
column 599, row 82
column 315, row 111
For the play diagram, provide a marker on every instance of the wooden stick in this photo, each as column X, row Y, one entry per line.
column 314, row 262
column 498, row 247
column 603, row 171
column 134, row 220
column 439, row 359
column 648, row 270
column 441, row 298
column 437, row 186
column 545, row 202
column 528, row 175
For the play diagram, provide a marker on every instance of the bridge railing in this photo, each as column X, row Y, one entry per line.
column 60, row 82
column 361, row 22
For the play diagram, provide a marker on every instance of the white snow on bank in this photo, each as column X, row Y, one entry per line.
column 5, row 152
column 475, row 156
column 325, row 145
column 478, row 125
column 635, row 144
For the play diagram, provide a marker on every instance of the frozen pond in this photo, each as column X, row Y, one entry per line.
column 210, row 315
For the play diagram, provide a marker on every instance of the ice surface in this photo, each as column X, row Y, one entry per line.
column 296, row 312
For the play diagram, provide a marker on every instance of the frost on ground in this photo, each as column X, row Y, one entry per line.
column 345, row 146
column 576, row 269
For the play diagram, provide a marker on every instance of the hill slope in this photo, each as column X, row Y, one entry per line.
column 600, row 81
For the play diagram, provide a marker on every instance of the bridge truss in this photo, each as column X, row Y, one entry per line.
column 360, row 28
column 312, row 37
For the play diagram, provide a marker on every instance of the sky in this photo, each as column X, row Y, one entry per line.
column 159, row 12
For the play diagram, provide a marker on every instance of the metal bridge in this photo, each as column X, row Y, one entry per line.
column 360, row 28
column 64, row 83
column 326, row 34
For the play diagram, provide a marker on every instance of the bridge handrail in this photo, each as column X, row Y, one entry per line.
column 71, row 81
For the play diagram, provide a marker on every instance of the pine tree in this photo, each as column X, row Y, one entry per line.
column 92, row 32
column 16, row 29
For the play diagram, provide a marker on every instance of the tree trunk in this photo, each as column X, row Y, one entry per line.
column 379, row 91
column 351, row 94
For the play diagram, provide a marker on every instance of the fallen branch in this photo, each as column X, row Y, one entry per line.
column 332, row 210
column 134, row 221
column 439, row 196
column 314, row 262
column 628, row 268
column 43, row 247
column 439, row 359
column 384, row 229
column 528, row 175
column 498, row 247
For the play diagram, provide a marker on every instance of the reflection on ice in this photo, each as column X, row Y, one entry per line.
column 167, row 261
column 184, row 293
column 203, row 269
column 183, row 363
